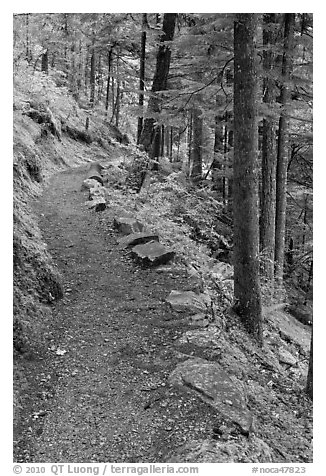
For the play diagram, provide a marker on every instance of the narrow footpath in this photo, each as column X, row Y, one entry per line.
column 110, row 345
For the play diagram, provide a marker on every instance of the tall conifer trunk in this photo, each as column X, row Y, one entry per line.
column 196, row 146
column 245, row 170
column 269, row 157
column 45, row 61
column 142, row 74
column 92, row 74
column 309, row 386
column 283, row 147
column 107, row 97
column 159, row 82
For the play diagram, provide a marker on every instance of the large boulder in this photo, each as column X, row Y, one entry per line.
column 128, row 225
column 189, row 301
column 208, row 381
column 137, row 239
column 153, row 253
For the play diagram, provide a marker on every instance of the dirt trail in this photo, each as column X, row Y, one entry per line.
column 111, row 399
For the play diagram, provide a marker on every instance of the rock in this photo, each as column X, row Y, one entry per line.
column 208, row 337
column 99, row 204
column 213, row 385
column 153, row 253
column 189, row 301
column 96, row 192
column 285, row 357
column 95, row 172
column 199, row 320
column 137, row 239
column 195, row 282
column 127, row 225
column 88, row 184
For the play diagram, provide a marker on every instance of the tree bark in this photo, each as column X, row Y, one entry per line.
column 309, row 386
column 160, row 80
column 218, row 150
column 45, row 61
column 245, row 173
column 107, row 97
column 283, row 148
column 142, row 74
column 92, row 74
column 269, row 157
column 196, row 146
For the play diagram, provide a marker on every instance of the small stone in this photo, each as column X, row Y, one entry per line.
column 136, row 239
column 153, row 253
column 285, row 357
column 127, row 225
column 189, row 301
column 99, row 204
column 88, row 184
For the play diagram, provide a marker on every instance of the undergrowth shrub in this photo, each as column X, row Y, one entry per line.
column 163, row 206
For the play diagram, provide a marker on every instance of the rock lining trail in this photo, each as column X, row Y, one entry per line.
column 110, row 346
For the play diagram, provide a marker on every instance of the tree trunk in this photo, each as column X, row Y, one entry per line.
column 245, row 170
column 196, row 146
column 45, row 62
column 28, row 51
column 108, row 81
column 142, row 74
column 309, row 386
column 100, row 79
column 269, row 157
column 160, row 80
column 92, row 75
column 162, row 140
column 217, row 163
column 283, row 148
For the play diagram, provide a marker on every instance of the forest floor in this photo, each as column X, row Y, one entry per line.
column 99, row 391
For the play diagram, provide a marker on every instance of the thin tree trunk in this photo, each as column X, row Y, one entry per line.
column 45, row 62
column 116, row 99
column 86, row 75
column 80, row 66
column 225, row 161
column 142, row 74
column 189, row 137
column 309, row 386
column 160, row 80
column 269, row 157
column 112, row 96
column 283, row 147
column 28, row 51
column 100, row 79
column 196, row 146
column 162, row 140
column 107, row 98
column 218, row 148
column 230, row 167
column 245, row 170
column 92, row 74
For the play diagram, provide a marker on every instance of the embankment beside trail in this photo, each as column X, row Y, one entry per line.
column 36, row 281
